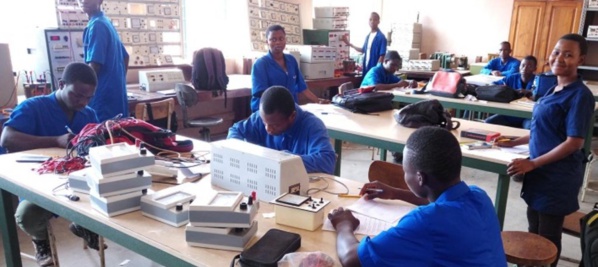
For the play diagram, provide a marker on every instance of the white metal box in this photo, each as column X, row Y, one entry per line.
column 423, row 64
column 315, row 53
column 330, row 23
column 241, row 166
column 171, row 205
column 116, row 205
column 320, row 70
column 161, row 79
column 331, row 12
column 120, row 184
column 222, row 209
column 117, row 159
column 220, row 238
column 308, row 216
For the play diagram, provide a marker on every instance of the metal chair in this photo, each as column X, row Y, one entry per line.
column 187, row 97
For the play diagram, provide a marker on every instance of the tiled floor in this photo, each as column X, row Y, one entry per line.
column 356, row 160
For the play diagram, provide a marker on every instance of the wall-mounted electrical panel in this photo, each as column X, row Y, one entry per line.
column 263, row 13
column 64, row 47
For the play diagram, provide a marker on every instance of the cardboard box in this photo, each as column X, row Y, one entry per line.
column 317, row 70
column 331, row 12
column 330, row 24
column 593, row 31
column 479, row 134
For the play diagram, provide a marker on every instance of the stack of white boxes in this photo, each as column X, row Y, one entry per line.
column 331, row 18
column 406, row 39
column 222, row 220
column 316, row 62
column 116, row 178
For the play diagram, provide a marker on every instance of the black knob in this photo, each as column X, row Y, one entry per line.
column 249, row 200
column 179, row 207
column 144, row 191
column 243, row 206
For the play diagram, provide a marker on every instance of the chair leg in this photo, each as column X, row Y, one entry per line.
column 100, row 252
column 52, row 240
column 205, row 134
column 586, row 178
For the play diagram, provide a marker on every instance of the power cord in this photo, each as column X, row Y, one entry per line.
column 315, row 190
column 65, row 186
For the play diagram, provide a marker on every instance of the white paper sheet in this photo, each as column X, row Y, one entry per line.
column 367, row 225
column 385, row 210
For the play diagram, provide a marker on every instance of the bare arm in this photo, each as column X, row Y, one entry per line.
column 15, row 141
column 313, row 98
column 389, row 192
column 400, row 84
column 346, row 244
column 381, row 59
column 96, row 67
column 346, row 41
column 521, row 166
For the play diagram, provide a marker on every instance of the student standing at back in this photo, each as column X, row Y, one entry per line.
column 278, row 68
column 560, row 123
column 105, row 53
column 374, row 47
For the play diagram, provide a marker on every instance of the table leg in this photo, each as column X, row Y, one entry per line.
column 382, row 154
column 10, row 238
column 502, row 193
column 338, row 147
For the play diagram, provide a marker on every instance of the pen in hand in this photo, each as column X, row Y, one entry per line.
column 374, row 190
column 69, row 130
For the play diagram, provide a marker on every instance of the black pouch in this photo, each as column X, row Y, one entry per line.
column 364, row 102
column 496, row 93
column 267, row 251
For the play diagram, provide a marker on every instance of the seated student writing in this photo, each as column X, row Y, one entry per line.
column 282, row 125
column 39, row 122
column 458, row 227
column 522, row 83
column 382, row 76
column 503, row 65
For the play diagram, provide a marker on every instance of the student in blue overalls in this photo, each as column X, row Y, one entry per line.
column 383, row 75
column 39, row 122
column 522, row 83
column 278, row 68
column 374, row 47
column 504, row 64
column 560, row 123
column 454, row 225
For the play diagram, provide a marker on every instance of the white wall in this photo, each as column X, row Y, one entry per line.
column 464, row 27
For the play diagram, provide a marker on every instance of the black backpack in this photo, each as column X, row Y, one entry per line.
column 589, row 238
column 364, row 102
column 209, row 72
column 428, row 112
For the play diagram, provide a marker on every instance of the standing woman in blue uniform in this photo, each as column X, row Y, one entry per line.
column 105, row 53
column 374, row 47
column 560, row 123
column 278, row 68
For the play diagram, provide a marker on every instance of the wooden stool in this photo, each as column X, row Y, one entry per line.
column 523, row 248
column 571, row 225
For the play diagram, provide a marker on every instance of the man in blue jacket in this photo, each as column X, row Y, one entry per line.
column 503, row 65
column 383, row 76
column 374, row 46
column 282, row 125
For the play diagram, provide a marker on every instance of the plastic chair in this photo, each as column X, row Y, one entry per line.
column 389, row 173
column 159, row 110
column 187, row 97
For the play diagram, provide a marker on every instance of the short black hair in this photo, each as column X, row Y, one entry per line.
column 436, row 152
column 506, row 43
column 376, row 14
column 274, row 28
column 583, row 44
column 530, row 58
column 391, row 55
column 277, row 99
column 79, row 72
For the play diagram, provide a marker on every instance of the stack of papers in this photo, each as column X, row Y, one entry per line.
column 375, row 215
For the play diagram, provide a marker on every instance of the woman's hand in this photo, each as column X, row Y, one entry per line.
column 520, row 166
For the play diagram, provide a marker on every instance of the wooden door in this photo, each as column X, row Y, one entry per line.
column 560, row 18
column 526, row 27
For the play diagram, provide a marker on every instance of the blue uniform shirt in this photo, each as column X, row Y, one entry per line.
column 307, row 137
column 43, row 116
column 459, row 229
column 102, row 45
column 379, row 75
column 553, row 188
column 266, row 73
column 514, row 81
column 377, row 50
column 510, row 67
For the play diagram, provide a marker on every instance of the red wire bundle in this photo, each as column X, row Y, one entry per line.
column 62, row 165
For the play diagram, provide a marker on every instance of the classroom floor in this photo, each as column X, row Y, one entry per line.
column 356, row 160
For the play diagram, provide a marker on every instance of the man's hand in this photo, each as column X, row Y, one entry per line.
column 402, row 84
column 63, row 140
column 377, row 189
column 323, row 101
column 345, row 39
column 496, row 73
column 343, row 218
